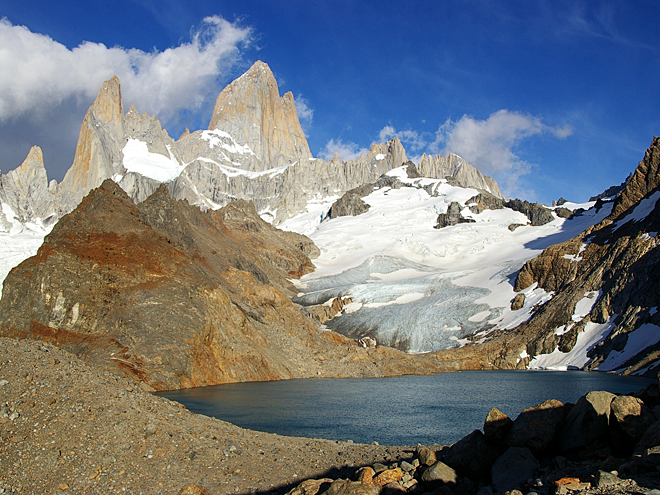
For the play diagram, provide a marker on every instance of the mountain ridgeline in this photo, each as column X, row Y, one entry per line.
column 254, row 149
column 163, row 261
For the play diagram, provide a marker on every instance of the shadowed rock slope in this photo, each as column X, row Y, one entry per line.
column 177, row 297
column 618, row 263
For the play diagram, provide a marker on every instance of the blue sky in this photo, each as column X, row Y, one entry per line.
column 551, row 98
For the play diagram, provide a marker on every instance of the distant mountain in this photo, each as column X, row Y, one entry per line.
column 254, row 149
column 426, row 258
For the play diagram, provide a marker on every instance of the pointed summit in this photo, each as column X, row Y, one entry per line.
column 25, row 189
column 108, row 105
column 98, row 152
column 251, row 110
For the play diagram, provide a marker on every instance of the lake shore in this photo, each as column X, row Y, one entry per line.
column 72, row 429
column 86, row 431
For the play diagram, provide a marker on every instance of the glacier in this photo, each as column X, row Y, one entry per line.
column 419, row 288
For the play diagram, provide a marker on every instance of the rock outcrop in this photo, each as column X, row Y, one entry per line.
column 452, row 217
column 177, row 297
column 251, row 110
column 612, row 267
column 536, row 213
column 161, row 290
column 458, row 171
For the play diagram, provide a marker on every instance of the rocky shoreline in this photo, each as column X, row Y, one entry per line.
column 66, row 427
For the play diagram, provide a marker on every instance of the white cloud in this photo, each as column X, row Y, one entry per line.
column 491, row 145
column 305, row 113
column 412, row 140
column 43, row 81
column 346, row 151
column 39, row 73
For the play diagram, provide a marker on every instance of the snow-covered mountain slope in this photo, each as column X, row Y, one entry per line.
column 417, row 287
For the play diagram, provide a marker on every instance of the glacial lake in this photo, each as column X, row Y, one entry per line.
column 405, row 410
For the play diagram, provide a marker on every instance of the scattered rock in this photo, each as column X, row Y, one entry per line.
column 426, row 456
column 310, row 487
column 603, row 479
column 347, row 487
column 388, row 476
column 193, row 489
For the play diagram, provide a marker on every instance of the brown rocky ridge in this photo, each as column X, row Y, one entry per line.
column 616, row 261
column 176, row 297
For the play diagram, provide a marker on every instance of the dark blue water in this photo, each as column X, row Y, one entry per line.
column 405, row 410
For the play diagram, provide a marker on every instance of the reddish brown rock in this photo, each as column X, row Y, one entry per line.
column 388, row 476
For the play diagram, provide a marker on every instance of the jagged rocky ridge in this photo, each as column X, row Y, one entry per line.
column 254, row 149
column 177, row 297
column 604, row 293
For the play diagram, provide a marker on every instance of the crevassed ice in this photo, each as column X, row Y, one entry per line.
column 422, row 312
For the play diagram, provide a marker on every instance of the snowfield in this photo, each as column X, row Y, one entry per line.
column 458, row 280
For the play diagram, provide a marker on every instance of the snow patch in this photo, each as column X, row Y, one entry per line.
column 584, row 305
column 138, row 158
column 641, row 211
column 592, row 334
column 638, row 340
column 380, row 156
column 223, row 140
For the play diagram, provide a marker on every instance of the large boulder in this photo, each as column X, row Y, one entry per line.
column 650, row 438
column 631, row 416
column 537, row 426
column 441, row 473
column 347, row 487
column 512, row 468
column 496, row 425
column 471, row 456
column 587, row 421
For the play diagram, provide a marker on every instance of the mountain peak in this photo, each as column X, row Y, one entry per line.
column 251, row 110
column 33, row 163
column 108, row 105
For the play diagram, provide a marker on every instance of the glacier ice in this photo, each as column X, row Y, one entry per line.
column 437, row 317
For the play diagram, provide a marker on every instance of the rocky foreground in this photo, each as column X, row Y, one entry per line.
column 66, row 427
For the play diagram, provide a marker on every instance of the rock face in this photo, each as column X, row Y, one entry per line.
column 459, row 171
column 176, row 297
column 254, row 149
column 251, row 110
column 612, row 267
column 26, row 191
